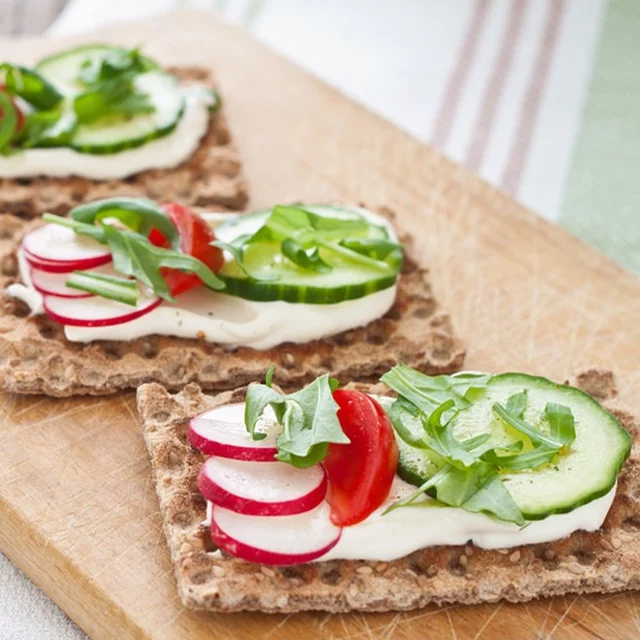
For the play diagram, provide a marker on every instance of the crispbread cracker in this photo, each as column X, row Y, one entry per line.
column 36, row 358
column 212, row 176
column 599, row 562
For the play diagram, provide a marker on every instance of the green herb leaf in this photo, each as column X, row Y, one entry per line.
column 123, row 290
column 517, row 404
column 308, row 417
column 477, row 488
column 536, row 437
column 562, row 424
column 376, row 248
column 237, row 252
column 30, row 86
column 53, row 128
column 427, row 393
column 139, row 214
column 494, row 499
column 8, row 122
column 532, row 459
column 308, row 259
column 110, row 87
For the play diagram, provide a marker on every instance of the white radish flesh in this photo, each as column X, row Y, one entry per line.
column 53, row 284
column 265, row 489
column 222, row 432
column 54, row 246
column 284, row 540
column 96, row 312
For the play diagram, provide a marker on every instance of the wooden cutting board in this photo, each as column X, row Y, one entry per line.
column 77, row 509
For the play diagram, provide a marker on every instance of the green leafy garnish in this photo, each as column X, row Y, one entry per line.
column 106, row 286
column 133, row 255
column 320, row 243
column 470, row 469
column 8, row 122
column 110, row 88
column 427, row 393
column 54, row 128
column 308, row 259
column 308, row 418
column 30, row 86
column 138, row 214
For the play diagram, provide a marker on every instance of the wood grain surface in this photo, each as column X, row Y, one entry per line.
column 77, row 509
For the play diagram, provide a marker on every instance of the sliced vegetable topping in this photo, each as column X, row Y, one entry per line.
column 196, row 238
column 514, row 446
column 316, row 254
column 97, row 99
column 308, row 418
column 124, row 224
column 361, row 472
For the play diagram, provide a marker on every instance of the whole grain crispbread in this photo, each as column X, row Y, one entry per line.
column 212, row 176
column 599, row 562
column 35, row 357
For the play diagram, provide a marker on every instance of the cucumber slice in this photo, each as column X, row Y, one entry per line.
column 277, row 278
column 112, row 134
column 588, row 471
column 62, row 68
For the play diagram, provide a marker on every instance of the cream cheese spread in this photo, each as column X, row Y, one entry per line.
column 163, row 153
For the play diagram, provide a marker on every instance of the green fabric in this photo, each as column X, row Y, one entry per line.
column 602, row 194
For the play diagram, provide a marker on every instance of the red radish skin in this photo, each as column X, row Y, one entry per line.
column 54, row 245
column 64, row 267
column 68, row 312
column 52, row 284
column 222, row 432
column 262, row 554
column 217, row 476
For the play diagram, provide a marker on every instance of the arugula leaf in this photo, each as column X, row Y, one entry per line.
column 53, row 128
column 8, row 122
column 123, row 290
column 237, row 253
column 30, row 86
column 139, row 214
column 477, row 488
column 112, row 65
column 306, row 259
column 110, row 87
column 536, row 437
column 517, row 404
column 305, row 226
column 308, row 418
column 494, row 499
column 538, row 456
column 562, row 424
column 133, row 255
column 427, row 393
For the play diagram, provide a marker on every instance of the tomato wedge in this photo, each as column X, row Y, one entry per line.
column 360, row 473
column 195, row 240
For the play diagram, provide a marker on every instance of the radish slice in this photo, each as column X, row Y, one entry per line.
column 222, row 432
column 98, row 312
column 267, row 489
column 53, row 247
column 277, row 541
column 53, row 284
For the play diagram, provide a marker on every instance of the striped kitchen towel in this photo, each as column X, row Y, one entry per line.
column 540, row 97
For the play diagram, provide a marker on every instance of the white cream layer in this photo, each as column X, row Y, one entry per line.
column 164, row 153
